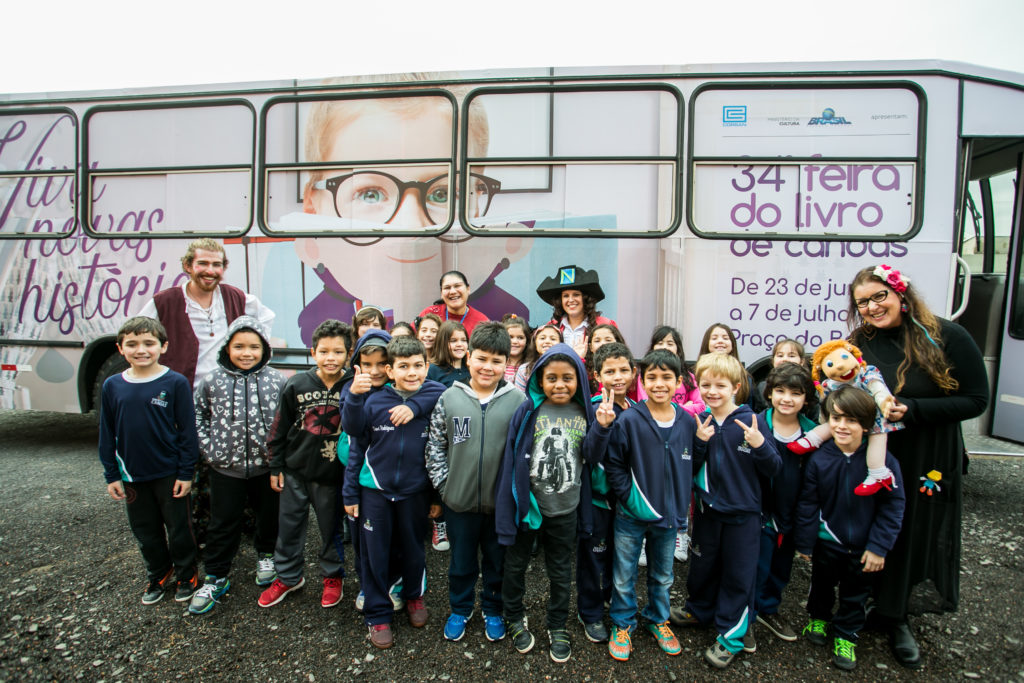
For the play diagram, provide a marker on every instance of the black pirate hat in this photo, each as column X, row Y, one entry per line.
column 570, row 277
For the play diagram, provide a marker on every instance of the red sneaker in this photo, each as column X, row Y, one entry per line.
column 870, row 487
column 332, row 591
column 277, row 591
column 417, row 612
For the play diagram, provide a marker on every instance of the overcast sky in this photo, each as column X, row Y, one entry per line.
column 75, row 45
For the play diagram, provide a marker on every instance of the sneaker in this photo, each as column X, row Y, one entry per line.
column 749, row 642
column 455, row 627
column 494, row 627
column 381, row 636
column 277, row 591
column 522, row 639
column 643, row 554
column 682, row 617
column 417, row 612
column 843, row 654
column 395, row 593
column 595, row 632
column 816, row 631
column 439, row 539
column 779, row 627
column 156, row 589
column 333, row 588
column 187, row 588
column 265, row 570
column 619, row 646
column 360, row 601
column 682, row 551
column 666, row 639
column 560, row 649
column 208, row 595
column 718, row 655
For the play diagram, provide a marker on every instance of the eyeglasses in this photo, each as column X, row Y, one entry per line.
column 376, row 196
column 877, row 298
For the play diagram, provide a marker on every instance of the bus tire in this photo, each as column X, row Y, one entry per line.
column 110, row 367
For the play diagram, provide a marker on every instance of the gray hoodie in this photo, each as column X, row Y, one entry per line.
column 235, row 408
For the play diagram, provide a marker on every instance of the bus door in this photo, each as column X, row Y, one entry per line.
column 1008, row 404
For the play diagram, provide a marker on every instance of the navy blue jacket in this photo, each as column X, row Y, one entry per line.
column 780, row 493
column 650, row 475
column 515, row 506
column 596, row 443
column 387, row 458
column 727, row 478
column 829, row 511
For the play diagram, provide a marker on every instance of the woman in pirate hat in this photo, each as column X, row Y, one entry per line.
column 573, row 293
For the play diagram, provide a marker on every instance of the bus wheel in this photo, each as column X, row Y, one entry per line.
column 111, row 366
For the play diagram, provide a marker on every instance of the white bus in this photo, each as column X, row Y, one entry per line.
column 747, row 194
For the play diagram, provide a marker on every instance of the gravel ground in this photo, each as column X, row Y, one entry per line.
column 71, row 578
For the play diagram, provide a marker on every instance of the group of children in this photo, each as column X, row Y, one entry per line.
column 516, row 442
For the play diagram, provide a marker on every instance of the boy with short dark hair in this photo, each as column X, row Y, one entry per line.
column 235, row 407
column 387, row 487
column 468, row 431
column 727, row 518
column 595, row 552
column 304, row 467
column 849, row 535
column 148, row 447
column 649, row 462
column 541, row 489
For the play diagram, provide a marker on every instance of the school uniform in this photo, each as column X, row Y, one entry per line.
column 726, row 527
column 836, row 526
column 386, row 476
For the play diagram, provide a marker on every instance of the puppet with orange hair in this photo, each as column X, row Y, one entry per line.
column 835, row 364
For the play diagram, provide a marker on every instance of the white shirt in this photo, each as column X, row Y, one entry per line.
column 573, row 335
column 210, row 325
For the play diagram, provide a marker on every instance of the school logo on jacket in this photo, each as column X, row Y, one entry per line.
column 368, row 525
column 460, row 429
column 160, row 399
column 744, row 447
column 685, row 455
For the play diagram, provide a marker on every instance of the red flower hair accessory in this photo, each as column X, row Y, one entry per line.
column 892, row 277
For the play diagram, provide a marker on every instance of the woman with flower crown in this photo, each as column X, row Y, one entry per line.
column 938, row 378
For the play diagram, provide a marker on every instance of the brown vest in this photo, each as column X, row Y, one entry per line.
column 183, row 347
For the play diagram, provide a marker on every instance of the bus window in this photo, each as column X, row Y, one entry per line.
column 169, row 169
column 972, row 247
column 573, row 160
column 1003, row 189
column 359, row 164
column 38, row 157
column 808, row 162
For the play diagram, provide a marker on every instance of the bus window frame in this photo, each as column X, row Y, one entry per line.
column 918, row 160
column 87, row 174
column 676, row 160
column 262, row 203
column 71, row 173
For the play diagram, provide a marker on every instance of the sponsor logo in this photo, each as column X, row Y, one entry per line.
column 784, row 120
column 460, row 429
column 734, row 115
column 828, row 118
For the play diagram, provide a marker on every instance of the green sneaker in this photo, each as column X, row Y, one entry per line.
column 666, row 639
column 208, row 595
column 816, row 631
column 843, row 655
column 619, row 645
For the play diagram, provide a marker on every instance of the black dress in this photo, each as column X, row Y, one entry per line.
column 922, row 571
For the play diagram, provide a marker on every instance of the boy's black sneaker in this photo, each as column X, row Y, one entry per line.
column 522, row 639
column 157, row 588
column 560, row 649
column 187, row 588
